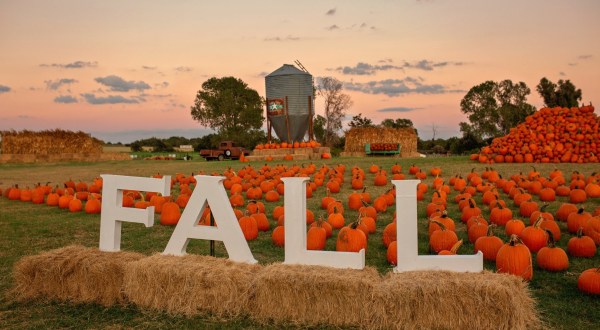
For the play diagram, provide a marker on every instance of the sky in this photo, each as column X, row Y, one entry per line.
column 127, row 70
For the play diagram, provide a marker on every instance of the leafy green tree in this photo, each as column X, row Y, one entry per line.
column 230, row 107
column 360, row 121
column 565, row 94
column 494, row 108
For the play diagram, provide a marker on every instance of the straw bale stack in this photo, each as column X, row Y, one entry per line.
column 49, row 142
column 356, row 138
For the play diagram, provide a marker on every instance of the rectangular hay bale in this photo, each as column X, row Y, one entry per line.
column 190, row 285
column 73, row 273
column 313, row 295
column 452, row 300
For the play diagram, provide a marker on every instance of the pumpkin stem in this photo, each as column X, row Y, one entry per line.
column 550, row 239
column 456, row 246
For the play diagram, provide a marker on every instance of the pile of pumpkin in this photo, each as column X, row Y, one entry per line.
column 288, row 145
column 550, row 135
column 251, row 188
column 384, row 146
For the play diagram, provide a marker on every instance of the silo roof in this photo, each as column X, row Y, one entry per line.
column 287, row 69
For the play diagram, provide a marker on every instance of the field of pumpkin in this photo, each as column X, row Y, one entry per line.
column 540, row 223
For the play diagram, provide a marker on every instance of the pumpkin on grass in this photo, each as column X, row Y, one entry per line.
column 442, row 239
column 551, row 257
column 351, row 239
column 514, row 258
column 589, row 281
column 489, row 244
column 581, row 246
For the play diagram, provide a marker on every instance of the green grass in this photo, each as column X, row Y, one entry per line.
column 30, row 229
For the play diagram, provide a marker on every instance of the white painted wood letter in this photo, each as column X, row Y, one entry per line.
column 113, row 213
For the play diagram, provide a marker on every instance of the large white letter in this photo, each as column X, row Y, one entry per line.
column 407, row 237
column 210, row 191
column 295, row 233
column 113, row 212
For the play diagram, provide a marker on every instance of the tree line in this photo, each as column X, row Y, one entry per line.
column 235, row 112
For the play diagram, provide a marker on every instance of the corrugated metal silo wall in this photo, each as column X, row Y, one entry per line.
column 297, row 88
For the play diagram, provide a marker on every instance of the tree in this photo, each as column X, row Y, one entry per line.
column 336, row 104
column 562, row 95
column 230, row 107
column 398, row 123
column 494, row 108
column 360, row 121
column 319, row 128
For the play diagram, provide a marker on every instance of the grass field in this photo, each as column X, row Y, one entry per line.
column 30, row 229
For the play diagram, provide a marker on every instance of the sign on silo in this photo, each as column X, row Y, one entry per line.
column 289, row 102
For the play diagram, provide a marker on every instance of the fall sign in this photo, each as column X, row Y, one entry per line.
column 210, row 192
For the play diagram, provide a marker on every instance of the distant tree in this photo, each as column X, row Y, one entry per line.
column 562, row 95
column 360, row 121
column 319, row 128
column 494, row 108
column 398, row 123
column 335, row 103
column 230, row 107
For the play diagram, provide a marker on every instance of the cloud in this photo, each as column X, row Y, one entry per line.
column 183, row 69
column 398, row 87
column 398, row 109
column 288, row 38
column 262, row 74
column 24, row 117
column 163, row 84
column 110, row 99
column 585, row 57
column 333, row 27
column 362, row 68
column 118, row 84
column 4, row 89
column 562, row 74
column 427, row 65
column 65, row 99
column 572, row 64
column 145, row 67
column 331, row 11
column 56, row 84
column 72, row 65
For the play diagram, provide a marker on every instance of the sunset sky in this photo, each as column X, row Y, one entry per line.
column 126, row 70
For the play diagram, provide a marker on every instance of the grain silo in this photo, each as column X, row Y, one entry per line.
column 290, row 103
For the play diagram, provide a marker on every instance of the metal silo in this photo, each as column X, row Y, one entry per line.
column 289, row 103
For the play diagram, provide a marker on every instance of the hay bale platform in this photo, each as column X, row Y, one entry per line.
column 277, row 293
column 298, row 154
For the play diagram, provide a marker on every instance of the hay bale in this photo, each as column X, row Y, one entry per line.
column 450, row 300
column 73, row 273
column 49, row 142
column 190, row 285
column 313, row 295
column 357, row 137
